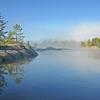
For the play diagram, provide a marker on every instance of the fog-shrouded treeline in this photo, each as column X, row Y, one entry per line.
column 94, row 42
column 55, row 44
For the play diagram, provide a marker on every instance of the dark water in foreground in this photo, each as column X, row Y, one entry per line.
column 53, row 75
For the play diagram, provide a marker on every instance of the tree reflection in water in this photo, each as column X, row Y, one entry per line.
column 3, row 83
column 92, row 53
column 13, row 70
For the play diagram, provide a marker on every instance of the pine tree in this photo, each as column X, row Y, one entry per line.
column 2, row 30
column 18, row 32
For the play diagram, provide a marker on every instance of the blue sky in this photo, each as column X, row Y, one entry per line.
column 44, row 19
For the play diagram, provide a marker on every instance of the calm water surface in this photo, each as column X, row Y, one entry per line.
column 53, row 75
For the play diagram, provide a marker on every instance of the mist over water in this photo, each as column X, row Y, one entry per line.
column 56, row 44
column 65, row 34
column 68, row 74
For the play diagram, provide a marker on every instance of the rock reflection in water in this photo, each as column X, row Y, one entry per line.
column 13, row 70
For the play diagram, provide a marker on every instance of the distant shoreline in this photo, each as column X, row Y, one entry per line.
column 94, row 47
column 51, row 48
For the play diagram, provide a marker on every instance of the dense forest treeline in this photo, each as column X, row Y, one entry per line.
column 91, row 42
column 55, row 44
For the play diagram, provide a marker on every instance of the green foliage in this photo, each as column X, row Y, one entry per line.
column 17, row 28
column 2, row 29
column 9, row 37
column 18, row 32
column 89, row 43
column 92, row 42
column 20, row 37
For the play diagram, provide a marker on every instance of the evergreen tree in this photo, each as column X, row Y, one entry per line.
column 89, row 43
column 2, row 29
column 18, row 32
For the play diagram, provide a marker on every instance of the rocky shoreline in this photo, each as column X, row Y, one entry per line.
column 13, row 55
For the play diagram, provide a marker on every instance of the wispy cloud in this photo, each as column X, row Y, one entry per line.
column 77, row 31
column 84, row 31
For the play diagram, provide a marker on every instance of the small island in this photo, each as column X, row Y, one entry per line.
column 12, row 44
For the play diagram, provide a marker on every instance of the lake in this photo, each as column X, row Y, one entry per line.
column 53, row 75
